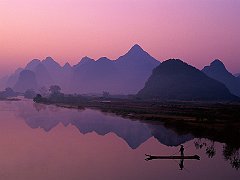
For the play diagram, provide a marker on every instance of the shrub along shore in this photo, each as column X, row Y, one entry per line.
column 194, row 117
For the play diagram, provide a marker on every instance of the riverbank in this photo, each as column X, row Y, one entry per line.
column 216, row 121
column 198, row 112
column 10, row 99
column 185, row 111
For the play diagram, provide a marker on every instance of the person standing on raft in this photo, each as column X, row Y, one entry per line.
column 182, row 150
column 181, row 165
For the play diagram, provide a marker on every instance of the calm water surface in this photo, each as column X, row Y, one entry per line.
column 47, row 142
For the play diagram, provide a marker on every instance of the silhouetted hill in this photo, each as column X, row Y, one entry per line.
column 27, row 80
column 43, row 76
column 54, row 69
column 126, row 75
column 135, row 68
column 137, row 56
column 59, row 75
column 32, row 64
column 47, row 72
column 218, row 71
column 67, row 67
column 66, row 74
column 93, row 76
column 51, row 65
column 12, row 79
column 176, row 80
column 84, row 61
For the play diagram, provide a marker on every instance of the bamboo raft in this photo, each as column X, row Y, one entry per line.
column 151, row 157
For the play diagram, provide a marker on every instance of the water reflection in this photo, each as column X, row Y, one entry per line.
column 79, row 156
column 175, row 157
column 232, row 155
column 134, row 133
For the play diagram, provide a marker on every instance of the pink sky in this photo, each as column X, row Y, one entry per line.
column 196, row 31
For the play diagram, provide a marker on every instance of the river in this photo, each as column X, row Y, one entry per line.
column 48, row 142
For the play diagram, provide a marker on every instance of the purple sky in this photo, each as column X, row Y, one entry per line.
column 196, row 31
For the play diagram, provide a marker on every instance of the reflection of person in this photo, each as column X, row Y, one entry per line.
column 182, row 150
column 181, row 165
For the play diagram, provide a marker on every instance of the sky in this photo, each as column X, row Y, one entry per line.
column 196, row 31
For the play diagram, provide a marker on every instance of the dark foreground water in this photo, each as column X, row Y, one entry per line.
column 46, row 142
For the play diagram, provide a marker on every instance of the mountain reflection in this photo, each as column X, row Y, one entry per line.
column 134, row 133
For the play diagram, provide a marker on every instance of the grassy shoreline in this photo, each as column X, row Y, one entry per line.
column 216, row 121
column 188, row 112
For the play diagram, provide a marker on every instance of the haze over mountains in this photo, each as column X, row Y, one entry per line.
column 27, row 80
column 125, row 75
column 128, row 74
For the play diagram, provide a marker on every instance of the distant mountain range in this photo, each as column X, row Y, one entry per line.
column 175, row 80
column 128, row 75
column 218, row 71
column 125, row 75
column 26, row 80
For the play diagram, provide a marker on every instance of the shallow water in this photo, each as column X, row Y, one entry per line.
column 47, row 142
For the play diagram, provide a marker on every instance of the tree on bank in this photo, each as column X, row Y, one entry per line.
column 8, row 93
column 30, row 94
column 55, row 89
column 44, row 91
